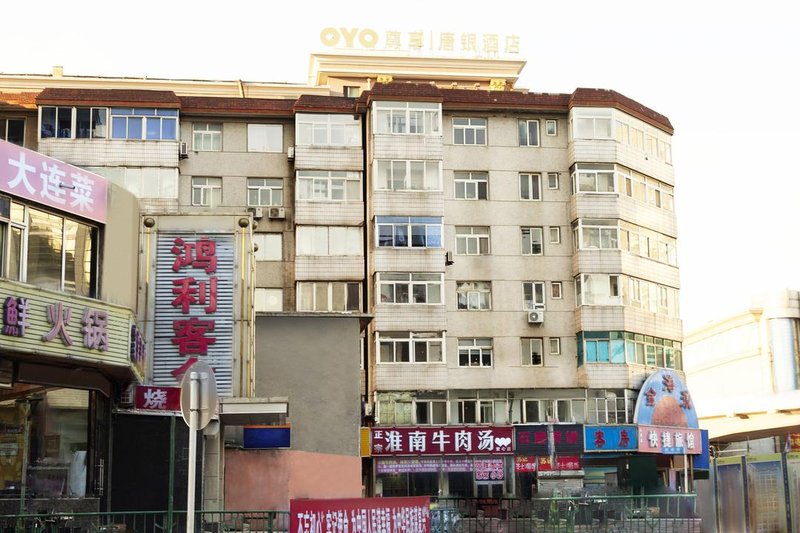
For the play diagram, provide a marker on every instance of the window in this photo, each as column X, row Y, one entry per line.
column 207, row 136
column 592, row 123
column 555, row 290
column 268, row 300
column 406, row 175
column 47, row 250
column 555, row 346
column 533, row 295
column 328, row 296
column 394, row 409
column 480, row 411
column 409, row 232
column 351, row 91
column 533, row 411
column 472, row 240
column 403, row 288
column 264, row 138
column 595, row 233
column 471, row 185
column 469, row 131
column 74, row 122
column 328, row 186
column 264, row 191
column 645, row 189
column 329, row 240
column 624, row 347
column 475, row 352
column 431, row 412
column 530, row 186
column 532, row 354
column 207, row 192
column 328, row 130
column 410, row 347
column 528, row 132
column 144, row 123
column 593, row 178
column 413, row 118
column 551, row 128
column 270, row 246
column 13, row 130
column 555, row 235
column 552, row 180
column 474, row 295
column 597, row 289
column 531, row 241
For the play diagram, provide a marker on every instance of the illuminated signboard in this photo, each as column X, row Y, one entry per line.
column 664, row 400
column 448, row 440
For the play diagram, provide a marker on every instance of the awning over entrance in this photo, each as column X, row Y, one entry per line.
column 253, row 411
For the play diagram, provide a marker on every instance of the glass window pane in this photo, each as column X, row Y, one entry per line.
column 45, row 241
column 134, row 128
column 153, row 128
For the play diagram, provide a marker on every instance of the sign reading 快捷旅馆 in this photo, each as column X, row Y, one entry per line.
column 446, row 42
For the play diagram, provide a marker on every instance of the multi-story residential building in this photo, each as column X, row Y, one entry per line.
column 516, row 250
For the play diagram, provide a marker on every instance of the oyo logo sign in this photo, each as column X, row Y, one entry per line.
column 366, row 37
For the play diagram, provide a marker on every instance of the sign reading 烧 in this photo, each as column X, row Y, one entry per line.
column 479, row 44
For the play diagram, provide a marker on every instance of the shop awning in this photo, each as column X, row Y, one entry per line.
column 253, row 411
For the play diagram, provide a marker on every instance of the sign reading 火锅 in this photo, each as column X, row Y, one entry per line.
column 360, row 515
column 664, row 400
column 610, row 438
column 534, row 439
column 669, row 440
column 33, row 176
column 448, row 440
column 194, row 306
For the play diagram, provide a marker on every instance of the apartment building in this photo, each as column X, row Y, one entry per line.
column 501, row 262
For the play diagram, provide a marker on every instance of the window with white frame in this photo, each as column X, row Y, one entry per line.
column 13, row 130
column 551, row 128
column 555, row 235
column 409, row 118
column 533, row 411
column 329, row 240
column 328, row 185
column 410, row 347
column 408, row 175
column 528, row 132
column 270, row 246
column 328, row 130
column 532, row 352
column 555, row 345
column 264, row 191
column 351, row 91
column 330, row 296
column 430, row 412
column 480, row 411
column 533, row 295
column 472, row 240
column 410, row 288
column 268, row 300
column 475, row 352
column 144, row 123
column 654, row 143
column 591, row 233
column 206, row 192
column 206, row 136
column 264, row 138
column 469, row 131
column 531, row 241
column 409, row 232
column 471, row 185
column 555, row 290
column 530, row 186
column 474, row 295
column 645, row 189
column 597, row 289
column 597, row 177
column 394, row 411
column 552, row 180
column 73, row 123
column 592, row 123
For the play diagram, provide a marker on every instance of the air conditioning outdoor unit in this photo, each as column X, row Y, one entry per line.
column 258, row 212
column 277, row 212
column 183, row 150
column 535, row 317
column 290, row 152
column 448, row 258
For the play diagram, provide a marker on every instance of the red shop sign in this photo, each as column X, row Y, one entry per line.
column 562, row 462
column 478, row 440
column 360, row 515
column 152, row 398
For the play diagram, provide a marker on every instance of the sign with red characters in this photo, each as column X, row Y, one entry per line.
column 443, row 440
column 360, row 515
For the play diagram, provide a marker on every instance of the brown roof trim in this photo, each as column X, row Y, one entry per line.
column 18, row 101
column 235, row 106
column 583, row 97
column 310, row 103
column 108, row 97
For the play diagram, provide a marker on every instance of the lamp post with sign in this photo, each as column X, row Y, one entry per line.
column 198, row 406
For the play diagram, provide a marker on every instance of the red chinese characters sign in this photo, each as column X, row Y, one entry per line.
column 443, row 440
column 151, row 398
column 360, row 515
column 194, row 306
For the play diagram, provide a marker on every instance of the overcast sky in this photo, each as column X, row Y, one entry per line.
column 724, row 73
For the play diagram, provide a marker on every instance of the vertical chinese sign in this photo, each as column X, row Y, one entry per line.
column 194, row 306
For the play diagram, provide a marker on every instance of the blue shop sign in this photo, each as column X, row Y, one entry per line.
column 265, row 437
column 621, row 438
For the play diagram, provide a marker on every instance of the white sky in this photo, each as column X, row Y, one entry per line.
column 724, row 73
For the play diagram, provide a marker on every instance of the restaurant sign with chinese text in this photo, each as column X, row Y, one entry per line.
column 194, row 315
column 33, row 176
column 669, row 440
column 45, row 322
column 360, row 515
column 442, row 440
column 612, row 438
column 547, row 439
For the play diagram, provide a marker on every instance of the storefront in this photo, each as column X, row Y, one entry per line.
column 548, row 459
column 467, row 462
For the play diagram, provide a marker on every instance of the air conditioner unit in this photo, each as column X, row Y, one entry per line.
column 258, row 212
column 535, row 317
column 183, row 150
column 290, row 152
column 448, row 258
column 128, row 396
column 277, row 212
